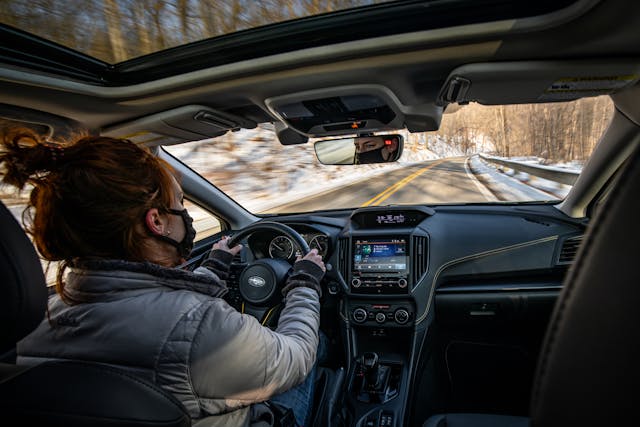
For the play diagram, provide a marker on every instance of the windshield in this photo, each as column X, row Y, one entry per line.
column 480, row 154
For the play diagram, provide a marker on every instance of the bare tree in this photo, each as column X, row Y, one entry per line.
column 141, row 25
column 114, row 20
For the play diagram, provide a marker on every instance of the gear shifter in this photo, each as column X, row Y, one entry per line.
column 371, row 367
column 375, row 378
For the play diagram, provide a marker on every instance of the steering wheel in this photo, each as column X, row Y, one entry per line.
column 260, row 281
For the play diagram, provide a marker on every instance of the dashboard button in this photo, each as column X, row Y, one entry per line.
column 359, row 315
column 356, row 283
column 401, row 316
column 380, row 317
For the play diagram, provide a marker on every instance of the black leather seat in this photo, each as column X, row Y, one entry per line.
column 588, row 372
column 62, row 393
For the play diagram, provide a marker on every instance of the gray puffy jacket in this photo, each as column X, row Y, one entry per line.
column 171, row 327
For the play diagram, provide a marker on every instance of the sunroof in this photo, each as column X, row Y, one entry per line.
column 125, row 42
column 115, row 31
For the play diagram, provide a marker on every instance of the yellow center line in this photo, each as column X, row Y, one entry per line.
column 398, row 185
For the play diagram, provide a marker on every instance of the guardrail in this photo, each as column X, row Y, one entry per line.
column 551, row 173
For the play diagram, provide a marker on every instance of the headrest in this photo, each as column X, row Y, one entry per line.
column 23, row 288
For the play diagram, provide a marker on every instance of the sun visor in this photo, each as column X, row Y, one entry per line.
column 188, row 123
column 537, row 81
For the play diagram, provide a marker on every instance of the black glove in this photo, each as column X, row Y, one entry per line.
column 219, row 262
column 306, row 274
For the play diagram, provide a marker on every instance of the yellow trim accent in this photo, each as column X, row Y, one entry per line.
column 242, row 308
column 398, row 185
column 266, row 317
column 474, row 256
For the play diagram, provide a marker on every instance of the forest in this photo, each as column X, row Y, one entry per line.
column 556, row 132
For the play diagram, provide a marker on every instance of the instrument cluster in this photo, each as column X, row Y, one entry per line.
column 282, row 246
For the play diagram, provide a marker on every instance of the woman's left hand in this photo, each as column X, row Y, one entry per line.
column 223, row 245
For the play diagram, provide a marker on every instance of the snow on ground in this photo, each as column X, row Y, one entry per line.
column 520, row 186
column 502, row 185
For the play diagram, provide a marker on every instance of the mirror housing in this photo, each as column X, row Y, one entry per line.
column 360, row 150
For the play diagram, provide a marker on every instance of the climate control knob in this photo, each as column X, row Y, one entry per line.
column 359, row 315
column 380, row 317
column 356, row 283
column 401, row 316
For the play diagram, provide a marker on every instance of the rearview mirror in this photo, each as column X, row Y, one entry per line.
column 360, row 150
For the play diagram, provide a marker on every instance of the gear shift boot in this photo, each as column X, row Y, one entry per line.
column 374, row 380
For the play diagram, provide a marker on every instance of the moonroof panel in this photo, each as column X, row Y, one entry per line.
column 118, row 30
column 125, row 42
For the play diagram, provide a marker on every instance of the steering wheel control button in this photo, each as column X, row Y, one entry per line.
column 359, row 315
column 401, row 316
column 380, row 317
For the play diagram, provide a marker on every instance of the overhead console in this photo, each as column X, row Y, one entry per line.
column 349, row 110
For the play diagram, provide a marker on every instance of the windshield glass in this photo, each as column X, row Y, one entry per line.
column 117, row 30
column 480, row 154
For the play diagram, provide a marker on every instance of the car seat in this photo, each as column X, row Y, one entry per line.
column 588, row 371
column 62, row 393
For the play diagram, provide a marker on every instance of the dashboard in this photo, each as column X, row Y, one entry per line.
column 384, row 259
column 413, row 251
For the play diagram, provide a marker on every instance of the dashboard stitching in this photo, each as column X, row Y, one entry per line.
column 474, row 256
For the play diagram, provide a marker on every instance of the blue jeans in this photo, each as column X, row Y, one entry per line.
column 300, row 398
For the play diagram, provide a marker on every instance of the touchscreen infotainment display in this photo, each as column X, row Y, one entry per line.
column 380, row 255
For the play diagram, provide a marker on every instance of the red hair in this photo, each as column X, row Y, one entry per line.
column 88, row 195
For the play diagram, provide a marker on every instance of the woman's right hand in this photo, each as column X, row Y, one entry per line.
column 314, row 257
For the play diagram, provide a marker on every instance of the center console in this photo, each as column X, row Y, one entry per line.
column 383, row 256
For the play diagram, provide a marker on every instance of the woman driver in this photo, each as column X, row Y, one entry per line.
column 112, row 212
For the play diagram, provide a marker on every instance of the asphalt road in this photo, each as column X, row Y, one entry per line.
column 438, row 181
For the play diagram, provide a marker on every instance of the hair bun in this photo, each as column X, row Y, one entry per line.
column 25, row 156
column 56, row 152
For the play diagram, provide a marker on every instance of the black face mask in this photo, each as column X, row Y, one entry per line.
column 374, row 156
column 185, row 246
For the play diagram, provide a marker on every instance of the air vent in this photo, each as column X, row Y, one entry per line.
column 419, row 256
column 343, row 257
column 569, row 250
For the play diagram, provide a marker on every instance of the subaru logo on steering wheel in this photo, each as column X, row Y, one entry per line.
column 257, row 281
